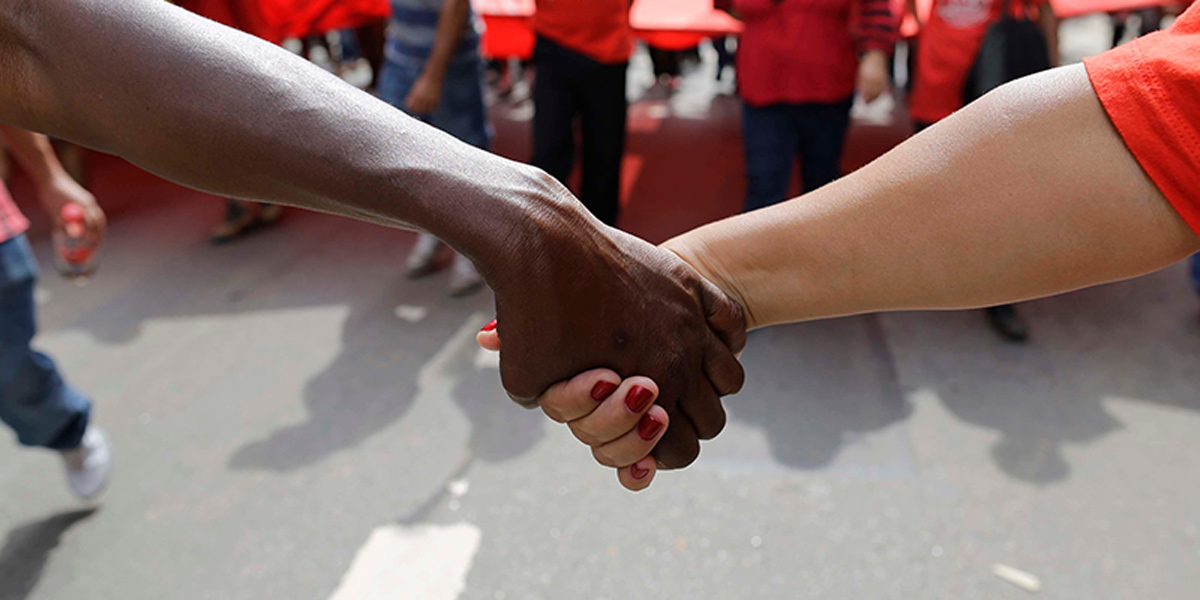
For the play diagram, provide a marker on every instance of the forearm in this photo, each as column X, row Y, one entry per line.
column 224, row 112
column 1026, row 193
column 451, row 22
column 34, row 153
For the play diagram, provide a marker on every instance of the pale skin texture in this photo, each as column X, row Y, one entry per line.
column 224, row 112
column 1026, row 193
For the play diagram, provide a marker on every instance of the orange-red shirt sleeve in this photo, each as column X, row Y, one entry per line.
column 1150, row 89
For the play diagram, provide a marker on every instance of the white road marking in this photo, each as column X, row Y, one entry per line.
column 426, row 562
column 1017, row 577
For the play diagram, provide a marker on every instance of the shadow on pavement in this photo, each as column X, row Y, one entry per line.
column 807, row 419
column 1132, row 341
column 385, row 365
column 28, row 547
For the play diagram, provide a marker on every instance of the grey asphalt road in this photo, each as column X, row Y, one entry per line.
column 294, row 419
column 271, row 410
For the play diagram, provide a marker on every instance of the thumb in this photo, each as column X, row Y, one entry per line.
column 488, row 338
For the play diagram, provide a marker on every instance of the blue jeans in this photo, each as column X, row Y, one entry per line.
column 1195, row 265
column 34, row 400
column 774, row 135
column 461, row 111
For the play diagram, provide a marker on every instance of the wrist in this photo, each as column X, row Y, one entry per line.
column 693, row 250
column 524, row 217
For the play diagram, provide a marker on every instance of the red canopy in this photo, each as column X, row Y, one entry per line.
column 667, row 24
column 274, row 20
column 1064, row 9
column 1075, row 8
column 299, row 18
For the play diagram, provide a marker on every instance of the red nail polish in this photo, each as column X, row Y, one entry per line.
column 602, row 390
column 638, row 398
column 649, row 427
column 490, row 326
column 638, row 472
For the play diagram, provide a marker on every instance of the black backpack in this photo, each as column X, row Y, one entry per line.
column 1013, row 47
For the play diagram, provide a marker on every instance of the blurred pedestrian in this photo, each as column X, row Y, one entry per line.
column 35, row 401
column 1195, row 268
column 798, row 65
column 1149, row 21
column 726, row 57
column 433, row 71
column 582, row 51
column 241, row 218
column 949, row 46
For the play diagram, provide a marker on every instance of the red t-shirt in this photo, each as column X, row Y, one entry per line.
column 12, row 222
column 274, row 20
column 946, row 48
column 801, row 51
column 1150, row 88
column 238, row 14
column 598, row 29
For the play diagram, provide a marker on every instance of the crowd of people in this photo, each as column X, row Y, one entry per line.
column 799, row 67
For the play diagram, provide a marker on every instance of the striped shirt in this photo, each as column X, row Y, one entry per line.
column 12, row 222
column 414, row 28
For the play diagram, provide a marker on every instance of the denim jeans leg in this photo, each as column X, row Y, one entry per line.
column 1195, row 269
column 823, row 134
column 34, row 400
column 769, row 135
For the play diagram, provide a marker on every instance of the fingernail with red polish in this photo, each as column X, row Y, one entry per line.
column 649, row 427
column 490, row 326
column 638, row 398
column 638, row 472
column 602, row 390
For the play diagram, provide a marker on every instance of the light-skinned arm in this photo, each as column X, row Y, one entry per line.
column 1025, row 193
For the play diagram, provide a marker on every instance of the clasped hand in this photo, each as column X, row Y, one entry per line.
column 579, row 295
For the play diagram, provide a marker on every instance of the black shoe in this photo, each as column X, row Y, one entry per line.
column 1005, row 320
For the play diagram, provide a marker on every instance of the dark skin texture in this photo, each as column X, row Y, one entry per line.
column 221, row 111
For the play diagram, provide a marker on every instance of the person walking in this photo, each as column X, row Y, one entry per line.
column 582, row 52
column 799, row 64
column 35, row 400
column 433, row 71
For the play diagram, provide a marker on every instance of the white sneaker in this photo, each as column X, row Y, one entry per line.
column 464, row 279
column 90, row 465
column 423, row 256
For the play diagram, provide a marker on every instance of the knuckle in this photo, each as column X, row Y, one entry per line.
column 604, row 457
column 583, row 436
column 676, row 456
column 712, row 428
column 553, row 413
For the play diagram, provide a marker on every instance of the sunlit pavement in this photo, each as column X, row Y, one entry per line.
column 294, row 419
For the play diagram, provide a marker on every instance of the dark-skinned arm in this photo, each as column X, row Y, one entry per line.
column 224, row 112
